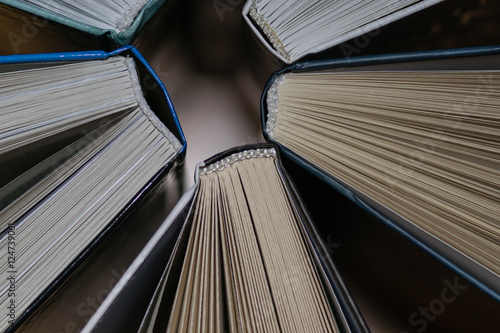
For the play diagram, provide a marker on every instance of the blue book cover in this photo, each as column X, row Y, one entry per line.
column 159, row 102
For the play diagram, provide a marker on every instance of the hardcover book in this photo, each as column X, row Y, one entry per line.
column 367, row 113
column 247, row 258
column 411, row 138
column 292, row 29
column 75, row 25
column 81, row 148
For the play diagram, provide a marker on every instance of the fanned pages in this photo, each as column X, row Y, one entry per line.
column 295, row 28
column 248, row 266
column 115, row 15
column 423, row 144
column 96, row 144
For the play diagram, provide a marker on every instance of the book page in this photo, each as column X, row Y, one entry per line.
column 424, row 144
column 70, row 197
column 248, row 267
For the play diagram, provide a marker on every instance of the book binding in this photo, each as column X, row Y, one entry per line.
column 476, row 274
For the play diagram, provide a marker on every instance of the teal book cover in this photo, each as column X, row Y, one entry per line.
column 100, row 24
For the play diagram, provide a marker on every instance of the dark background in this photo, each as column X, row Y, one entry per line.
column 215, row 70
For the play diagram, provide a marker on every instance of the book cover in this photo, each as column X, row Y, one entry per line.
column 479, row 59
column 161, row 303
column 32, row 26
column 155, row 100
column 280, row 25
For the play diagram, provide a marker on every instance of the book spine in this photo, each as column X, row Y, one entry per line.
column 268, row 32
column 272, row 105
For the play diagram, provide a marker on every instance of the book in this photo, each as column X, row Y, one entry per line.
column 396, row 286
column 247, row 257
column 292, row 29
column 81, row 148
column 447, row 25
column 80, row 295
column 69, row 26
column 411, row 138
